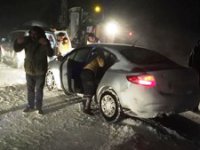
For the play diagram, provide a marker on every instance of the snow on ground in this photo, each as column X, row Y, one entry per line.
column 65, row 127
column 9, row 76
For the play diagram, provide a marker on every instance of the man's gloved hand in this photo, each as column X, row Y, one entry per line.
column 20, row 40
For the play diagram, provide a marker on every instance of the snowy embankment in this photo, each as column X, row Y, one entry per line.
column 64, row 126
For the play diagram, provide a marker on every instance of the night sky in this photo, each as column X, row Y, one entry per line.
column 167, row 20
column 15, row 13
column 179, row 14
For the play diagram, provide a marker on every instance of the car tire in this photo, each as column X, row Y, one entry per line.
column 50, row 81
column 110, row 107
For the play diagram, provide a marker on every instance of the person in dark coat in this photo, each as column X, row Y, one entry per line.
column 37, row 47
column 194, row 62
column 194, row 58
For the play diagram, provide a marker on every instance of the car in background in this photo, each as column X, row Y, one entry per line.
column 136, row 81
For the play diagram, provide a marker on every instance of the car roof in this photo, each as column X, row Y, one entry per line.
column 114, row 46
column 128, row 52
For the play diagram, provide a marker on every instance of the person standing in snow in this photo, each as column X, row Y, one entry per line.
column 194, row 58
column 194, row 62
column 37, row 47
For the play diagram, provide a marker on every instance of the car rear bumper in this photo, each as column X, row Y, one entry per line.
column 150, row 107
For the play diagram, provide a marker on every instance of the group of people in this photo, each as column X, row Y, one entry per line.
column 37, row 47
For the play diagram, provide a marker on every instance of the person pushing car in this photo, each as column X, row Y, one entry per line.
column 88, row 77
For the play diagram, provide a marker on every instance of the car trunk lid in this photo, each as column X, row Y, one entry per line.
column 176, row 81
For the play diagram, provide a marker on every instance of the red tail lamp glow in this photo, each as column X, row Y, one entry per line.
column 145, row 80
column 130, row 33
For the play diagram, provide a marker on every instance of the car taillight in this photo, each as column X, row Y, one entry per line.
column 146, row 80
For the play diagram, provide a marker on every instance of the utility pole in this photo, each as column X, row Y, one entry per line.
column 63, row 18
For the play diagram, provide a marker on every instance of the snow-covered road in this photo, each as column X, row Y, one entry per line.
column 65, row 127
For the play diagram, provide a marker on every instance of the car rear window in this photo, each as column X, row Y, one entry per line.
column 143, row 56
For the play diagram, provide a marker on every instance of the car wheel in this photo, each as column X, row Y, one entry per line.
column 110, row 107
column 50, row 81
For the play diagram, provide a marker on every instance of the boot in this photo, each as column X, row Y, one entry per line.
column 82, row 106
column 86, row 106
column 84, row 103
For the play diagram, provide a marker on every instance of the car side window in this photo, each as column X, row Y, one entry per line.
column 109, row 55
column 110, row 58
column 81, row 55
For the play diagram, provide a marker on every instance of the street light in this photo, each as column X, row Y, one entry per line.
column 97, row 9
column 97, row 14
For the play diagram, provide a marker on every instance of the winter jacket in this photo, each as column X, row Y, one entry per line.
column 35, row 62
column 95, row 64
column 194, row 59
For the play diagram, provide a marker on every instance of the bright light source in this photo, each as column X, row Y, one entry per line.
column 97, row 9
column 111, row 28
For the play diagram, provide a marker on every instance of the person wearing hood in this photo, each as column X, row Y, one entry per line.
column 37, row 47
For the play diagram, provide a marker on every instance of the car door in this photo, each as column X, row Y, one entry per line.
column 71, row 69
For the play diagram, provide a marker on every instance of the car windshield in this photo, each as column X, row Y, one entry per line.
column 143, row 56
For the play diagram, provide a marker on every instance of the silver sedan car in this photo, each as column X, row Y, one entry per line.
column 135, row 80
